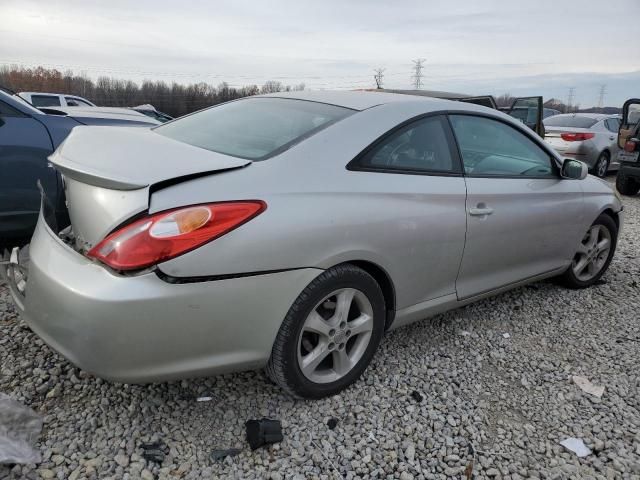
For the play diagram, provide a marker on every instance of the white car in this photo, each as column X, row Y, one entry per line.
column 40, row 99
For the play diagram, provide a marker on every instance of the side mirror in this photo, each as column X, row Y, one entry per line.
column 574, row 169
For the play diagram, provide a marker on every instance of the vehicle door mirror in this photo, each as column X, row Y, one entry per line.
column 574, row 169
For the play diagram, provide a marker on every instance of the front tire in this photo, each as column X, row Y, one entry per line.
column 594, row 254
column 329, row 335
column 627, row 185
column 601, row 167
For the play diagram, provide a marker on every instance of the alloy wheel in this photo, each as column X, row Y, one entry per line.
column 601, row 166
column 592, row 253
column 335, row 335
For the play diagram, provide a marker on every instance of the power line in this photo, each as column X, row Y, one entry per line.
column 417, row 73
column 601, row 94
column 570, row 97
column 379, row 74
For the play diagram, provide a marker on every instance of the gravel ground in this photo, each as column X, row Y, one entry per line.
column 511, row 399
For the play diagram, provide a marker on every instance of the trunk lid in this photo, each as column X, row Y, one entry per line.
column 553, row 138
column 556, row 131
column 109, row 173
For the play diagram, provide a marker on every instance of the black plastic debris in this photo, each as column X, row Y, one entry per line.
column 153, row 451
column 332, row 423
column 416, row 396
column 219, row 455
column 263, row 432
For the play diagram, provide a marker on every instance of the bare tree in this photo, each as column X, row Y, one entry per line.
column 505, row 100
column 175, row 99
column 379, row 75
column 272, row 86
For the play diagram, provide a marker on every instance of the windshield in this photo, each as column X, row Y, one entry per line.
column 569, row 121
column 254, row 128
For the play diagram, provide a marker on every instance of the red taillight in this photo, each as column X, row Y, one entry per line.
column 630, row 146
column 576, row 137
column 166, row 235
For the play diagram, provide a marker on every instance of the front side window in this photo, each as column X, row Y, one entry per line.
column 633, row 116
column 493, row 148
column 253, row 128
column 421, row 146
column 45, row 101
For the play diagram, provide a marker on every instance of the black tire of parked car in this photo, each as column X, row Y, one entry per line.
column 568, row 278
column 627, row 185
column 283, row 368
column 601, row 167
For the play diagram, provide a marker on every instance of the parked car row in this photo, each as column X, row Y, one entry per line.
column 56, row 100
column 290, row 231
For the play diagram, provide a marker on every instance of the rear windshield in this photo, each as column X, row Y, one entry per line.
column 569, row 121
column 253, row 128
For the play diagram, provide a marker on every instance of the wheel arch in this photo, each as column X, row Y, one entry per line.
column 383, row 278
column 614, row 216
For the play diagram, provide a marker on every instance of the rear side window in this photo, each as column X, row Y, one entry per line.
column 612, row 124
column 45, row 101
column 421, row 146
column 253, row 128
column 569, row 121
column 76, row 102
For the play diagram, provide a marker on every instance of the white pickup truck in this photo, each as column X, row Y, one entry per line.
column 40, row 99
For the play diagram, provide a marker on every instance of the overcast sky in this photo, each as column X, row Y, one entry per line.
column 476, row 47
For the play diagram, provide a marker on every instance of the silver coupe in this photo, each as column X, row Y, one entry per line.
column 291, row 231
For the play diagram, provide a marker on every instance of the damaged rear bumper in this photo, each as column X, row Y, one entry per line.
column 141, row 328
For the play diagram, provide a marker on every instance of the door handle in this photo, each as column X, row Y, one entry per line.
column 480, row 211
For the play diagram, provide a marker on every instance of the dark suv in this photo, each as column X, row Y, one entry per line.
column 628, row 180
column 27, row 137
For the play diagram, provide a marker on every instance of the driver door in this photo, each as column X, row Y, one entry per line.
column 523, row 220
column 24, row 147
column 529, row 110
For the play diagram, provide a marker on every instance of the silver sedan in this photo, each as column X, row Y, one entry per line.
column 291, row 231
column 589, row 137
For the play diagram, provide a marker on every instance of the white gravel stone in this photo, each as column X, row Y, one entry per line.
column 509, row 398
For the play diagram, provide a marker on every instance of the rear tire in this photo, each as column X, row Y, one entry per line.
column 329, row 335
column 593, row 256
column 601, row 167
column 627, row 185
